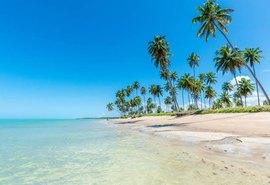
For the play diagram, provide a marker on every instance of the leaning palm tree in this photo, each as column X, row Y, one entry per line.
column 110, row 106
column 160, row 52
column 210, row 94
column 136, row 86
column 253, row 56
column 213, row 17
column 227, row 87
column 246, row 88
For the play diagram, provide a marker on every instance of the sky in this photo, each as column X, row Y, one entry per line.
column 66, row 59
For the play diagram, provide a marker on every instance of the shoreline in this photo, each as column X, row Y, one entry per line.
column 239, row 137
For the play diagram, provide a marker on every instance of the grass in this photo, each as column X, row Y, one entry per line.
column 237, row 110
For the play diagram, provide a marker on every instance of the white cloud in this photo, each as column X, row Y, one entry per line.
column 238, row 78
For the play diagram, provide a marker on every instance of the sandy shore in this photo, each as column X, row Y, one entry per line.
column 244, row 136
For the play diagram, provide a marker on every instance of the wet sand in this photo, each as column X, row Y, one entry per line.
column 239, row 141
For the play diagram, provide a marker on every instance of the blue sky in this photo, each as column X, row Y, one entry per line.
column 66, row 59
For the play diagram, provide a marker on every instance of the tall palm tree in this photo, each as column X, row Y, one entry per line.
column 143, row 93
column 228, row 61
column 136, row 86
column 246, row 88
column 181, row 84
column 198, row 88
column 186, row 83
column 159, row 93
column 253, row 56
column 110, row 106
column 193, row 61
column 202, row 77
column 210, row 94
column 168, row 102
column 227, row 87
column 213, row 17
column 160, row 52
column 129, row 90
column 153, row 91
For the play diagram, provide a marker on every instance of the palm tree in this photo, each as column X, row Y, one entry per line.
column 226, row 99
column 213, row 17
column 168, row 102
column 198, row 88
column 152, row 91
column 228, row 61
column 210, row 78
column 193, row 61
column 136, row 86
column 160, row 51
column 227, row 87
column 253, row 56
column 210, row 94
column 186, row 83
column 143, row 93
column 159, row 93
column 181, row 84
column 202, row 77
column 218, row 104
column 129, row 90
column 237, row 99
column 246, row 88
column 110, row 106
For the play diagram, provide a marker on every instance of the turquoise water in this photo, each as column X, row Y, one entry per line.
column 93, row 152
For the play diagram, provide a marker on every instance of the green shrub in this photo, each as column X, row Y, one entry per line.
column 238, row 110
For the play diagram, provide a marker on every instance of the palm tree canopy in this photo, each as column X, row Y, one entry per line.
column 228, row 60
column 193, row 60
column 174, row 76
column 211, row 16
column 202, row 77
column 210, row 93
column 210, row 78
column 246, row 87
column 143, row 91
column 160, row 51
column 252, row 56
column 136, row 85
column 159, row 91
column 185, row 82
column 168, row 100
column 110, row 106
column 226, row 99
column 164, row 74
column 227, row 86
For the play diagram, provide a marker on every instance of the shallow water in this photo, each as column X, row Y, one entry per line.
column 92, row 152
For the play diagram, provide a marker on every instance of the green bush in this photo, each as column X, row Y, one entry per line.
column 238, row 110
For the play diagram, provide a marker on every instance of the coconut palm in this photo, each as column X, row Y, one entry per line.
column 181, row 84
column 237, row 99
column 210, row 78
column 136, row 86
column 198, row 88
column 129, row 90
column 212, row 17
column 160, row 51
column 227, row 87
column 210, row 94
column 246, row 88
column 159, row 93
column 253, row 56
column 202, row 77
column 186, row 83
column 218, row 104
column 226, row 99
column 174, row 76
column 153, row 91
column 143, row 93
column 228, row 61
column 168, row 102
column 193, row 61
column 110, row 106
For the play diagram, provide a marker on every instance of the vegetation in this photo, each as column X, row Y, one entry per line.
column 137, row 100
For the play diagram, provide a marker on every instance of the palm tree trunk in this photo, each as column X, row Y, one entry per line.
column 204, row 100
column 144, row 104
column 209, row 103
column 159, row 102
column 257, row 88
column 201, row 99
column 254, row 76
column 188, row 99
column 245, row 101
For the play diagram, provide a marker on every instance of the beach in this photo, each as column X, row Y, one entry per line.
column 242, row 138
